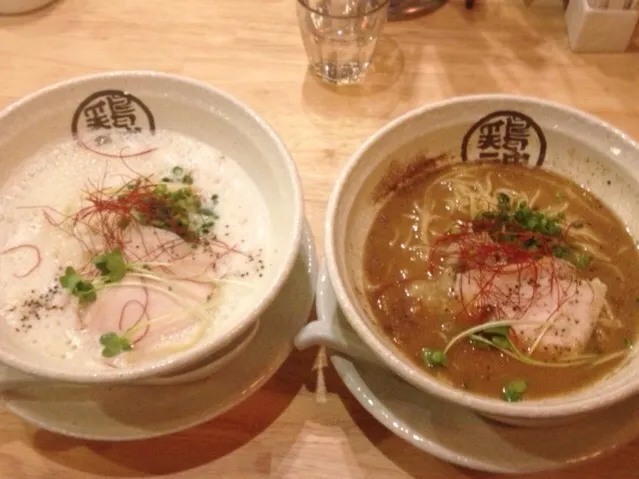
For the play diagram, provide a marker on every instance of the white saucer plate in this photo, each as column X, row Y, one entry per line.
column 461, row 437
column 119, row 413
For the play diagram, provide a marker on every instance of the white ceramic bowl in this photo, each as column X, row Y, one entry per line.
column 185, row 106
column 562, row 139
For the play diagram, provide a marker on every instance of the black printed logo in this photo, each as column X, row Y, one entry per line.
column 111, row 111
column 507, row 137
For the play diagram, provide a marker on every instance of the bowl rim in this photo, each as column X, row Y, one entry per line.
column 290, row 246
column 532, row 409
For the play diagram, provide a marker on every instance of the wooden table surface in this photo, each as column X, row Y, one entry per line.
column 252, row 49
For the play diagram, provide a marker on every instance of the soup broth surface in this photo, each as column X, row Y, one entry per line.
column 182, row 230
column 467, row 245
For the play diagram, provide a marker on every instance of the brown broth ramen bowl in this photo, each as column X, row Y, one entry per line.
column 556, row 138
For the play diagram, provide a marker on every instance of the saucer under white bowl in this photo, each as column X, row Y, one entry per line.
column 121, row 412
column 459, row 436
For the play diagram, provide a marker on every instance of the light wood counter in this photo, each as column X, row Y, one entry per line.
column 252, row 49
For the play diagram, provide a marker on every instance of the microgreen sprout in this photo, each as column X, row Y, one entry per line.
column 112, row 268
column 172, row 203
column 111, row 265
column 79, row 287
column 496, row 334
column 477, row 343
column 114, row 344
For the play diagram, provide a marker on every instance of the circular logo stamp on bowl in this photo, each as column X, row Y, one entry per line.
column 507, row 137
column 109, row 112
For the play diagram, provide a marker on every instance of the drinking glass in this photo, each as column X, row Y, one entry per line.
column 340, row 36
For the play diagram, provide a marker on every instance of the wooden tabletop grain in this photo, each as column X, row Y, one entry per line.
column 252, row 49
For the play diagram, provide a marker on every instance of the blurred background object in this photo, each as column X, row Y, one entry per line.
column 12, row 7
column 601, row 26
column 406, row 9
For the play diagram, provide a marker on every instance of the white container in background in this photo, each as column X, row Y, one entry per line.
column 596, row 30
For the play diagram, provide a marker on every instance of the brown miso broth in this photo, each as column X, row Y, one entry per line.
column 467, row 245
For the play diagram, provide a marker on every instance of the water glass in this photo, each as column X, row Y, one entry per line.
column 340, row 36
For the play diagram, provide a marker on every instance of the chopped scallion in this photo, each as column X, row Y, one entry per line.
column 583, row 260
column 514, row 390
column 434, row 357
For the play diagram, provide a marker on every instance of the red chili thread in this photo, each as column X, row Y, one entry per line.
column 482, row 261
column 28, row 246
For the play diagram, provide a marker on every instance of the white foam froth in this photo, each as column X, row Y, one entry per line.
column 53, row 182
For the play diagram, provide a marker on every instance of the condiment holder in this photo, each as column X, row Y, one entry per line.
column 601, row 26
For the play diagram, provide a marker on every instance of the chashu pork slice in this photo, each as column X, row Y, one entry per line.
column 168, row 293
column 169, row 319
column 546, row 297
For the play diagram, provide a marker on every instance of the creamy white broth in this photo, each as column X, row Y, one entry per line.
column 44, row 316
